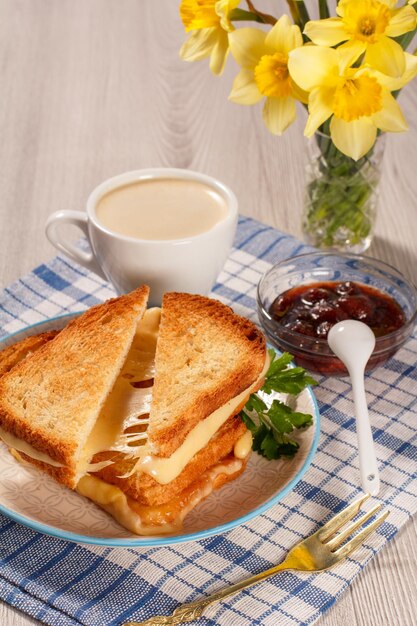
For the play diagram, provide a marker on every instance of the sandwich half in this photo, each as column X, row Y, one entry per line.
column 138, row 410
column 50, row 400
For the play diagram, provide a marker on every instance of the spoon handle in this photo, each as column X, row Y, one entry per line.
column 367, row 460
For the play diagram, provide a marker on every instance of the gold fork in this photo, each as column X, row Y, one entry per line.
column 318, row 552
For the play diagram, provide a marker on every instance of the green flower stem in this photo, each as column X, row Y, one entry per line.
column 294, row 13
column 299, row 13
column 265, row 18
column 323, row 10
column 340, row 197
column 240, row 15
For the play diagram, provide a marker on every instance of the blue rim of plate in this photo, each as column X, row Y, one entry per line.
column 167, row 540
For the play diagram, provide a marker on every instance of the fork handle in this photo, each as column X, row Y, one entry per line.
column 193, row 610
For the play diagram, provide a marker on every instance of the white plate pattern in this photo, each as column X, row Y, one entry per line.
column 32, row 498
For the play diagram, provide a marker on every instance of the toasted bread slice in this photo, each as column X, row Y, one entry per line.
column 165, row 518
column 206, row 355
column 52, row 398
column 146, row 490
column 145, row 519
column 12, row 355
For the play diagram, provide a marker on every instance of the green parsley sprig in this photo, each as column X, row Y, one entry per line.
column 272, row 426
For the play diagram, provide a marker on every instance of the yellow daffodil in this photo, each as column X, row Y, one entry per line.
column 358, row 100
column 367, row 27
column 264, row 60
column 209, row 21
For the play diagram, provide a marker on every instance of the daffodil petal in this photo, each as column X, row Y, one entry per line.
column 247, row 45
column 278, row 114
column 199, row 44
column 355, row 138
column 402, row 21
column 245, row 90
column 390, row 118
column 386, row 56
column 283, row 36
column 298, row 93
column 328, row 32
column 390, row 3
column 222, row 9
column 393, row 84
column 219, row 53
column 340, row 8
column 319, row 108
column 312, row 66
column 349, row 53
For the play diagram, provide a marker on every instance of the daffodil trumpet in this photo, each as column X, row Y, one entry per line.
column 367, row 27
column 209, row 22
column 264, row 74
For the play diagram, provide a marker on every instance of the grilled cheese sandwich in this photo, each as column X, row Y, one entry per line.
column 124, row 465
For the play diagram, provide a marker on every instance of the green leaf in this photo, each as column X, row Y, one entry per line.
column 271, row 426
column 301, row 420
column 269, row 447
column 258, row 438
column 279, row 417
column 284, row 419
column 278, row 363
column 249, row 423
column 255, row 403
column 280, row 375
column 287, row 447
column 284, row 379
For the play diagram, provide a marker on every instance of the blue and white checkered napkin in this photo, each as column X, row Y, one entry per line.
column 63, row 583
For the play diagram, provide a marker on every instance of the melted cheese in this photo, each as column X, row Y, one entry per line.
column 126, row 402
column 22, row 446
column 164, row 470
column 243, row 445
column 153, row 520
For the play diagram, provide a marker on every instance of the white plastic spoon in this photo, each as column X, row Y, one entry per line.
column 353, row 342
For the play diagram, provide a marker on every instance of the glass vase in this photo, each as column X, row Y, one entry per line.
column 341, row 196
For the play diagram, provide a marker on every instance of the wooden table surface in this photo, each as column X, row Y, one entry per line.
column 92, row 89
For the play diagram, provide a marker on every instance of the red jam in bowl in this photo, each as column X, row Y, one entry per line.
column 311, row 310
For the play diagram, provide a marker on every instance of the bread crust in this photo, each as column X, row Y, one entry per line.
column 64, row 475
column 12, row 355
column 206, row 355
column 51, row 399
column 146, row 490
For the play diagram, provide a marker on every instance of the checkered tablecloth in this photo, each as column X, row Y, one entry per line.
column 64, row 584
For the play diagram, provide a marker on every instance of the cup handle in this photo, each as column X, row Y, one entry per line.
column 79, row 219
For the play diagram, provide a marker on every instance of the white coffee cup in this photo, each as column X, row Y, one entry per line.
column 189, row 264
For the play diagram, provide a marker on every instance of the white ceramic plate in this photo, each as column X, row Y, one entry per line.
column 33, row 499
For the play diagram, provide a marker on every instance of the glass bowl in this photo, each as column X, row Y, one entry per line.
column 314, row 353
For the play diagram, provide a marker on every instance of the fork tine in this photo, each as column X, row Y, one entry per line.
column 341, row 518
column 354, row 543
column 340, row 538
